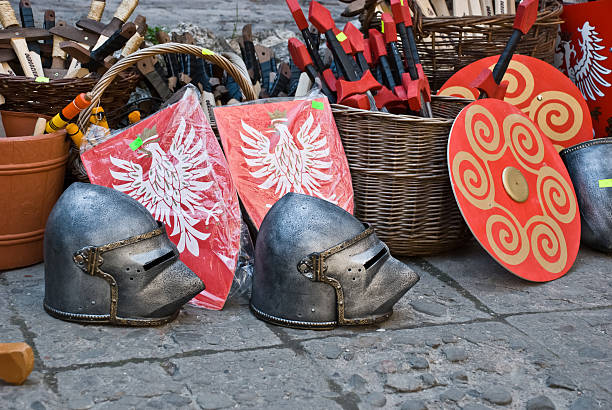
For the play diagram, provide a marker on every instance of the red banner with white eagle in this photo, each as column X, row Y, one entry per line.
column 584, row 53
column 172, row 164
column 281, row 147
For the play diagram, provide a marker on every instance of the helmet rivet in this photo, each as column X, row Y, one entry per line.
column 340, row 303
column 312, row 310
column 540, row 98
column 78, row 258
column 93, row 302
column 338, row 286
column 303, row 267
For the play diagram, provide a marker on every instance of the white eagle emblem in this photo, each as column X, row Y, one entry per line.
column 588, row 73
column 290, row 164
column 173, row 187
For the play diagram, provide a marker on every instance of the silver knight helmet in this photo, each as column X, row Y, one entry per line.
column 317, row 267
column 589, row 165
column 108, row 261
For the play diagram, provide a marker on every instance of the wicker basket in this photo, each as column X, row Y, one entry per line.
column 109, row 78
column 447, row 44
column 27, row 95
column 400, row 176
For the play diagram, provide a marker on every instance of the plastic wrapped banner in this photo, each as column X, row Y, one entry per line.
column 286, row 146
column 172, row 163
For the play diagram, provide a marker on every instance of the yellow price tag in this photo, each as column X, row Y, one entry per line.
column 42, row 79
column 207, row 52
column 341, row 37
column 605, row 183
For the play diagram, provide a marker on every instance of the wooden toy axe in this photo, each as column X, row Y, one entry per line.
column 490, row 82
column 355, row 82
column 16, row 35
column 95, row 60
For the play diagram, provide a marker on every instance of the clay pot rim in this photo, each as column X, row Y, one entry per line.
column 22, row 138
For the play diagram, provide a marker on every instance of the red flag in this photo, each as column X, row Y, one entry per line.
column 290, row 146
column 172, row 163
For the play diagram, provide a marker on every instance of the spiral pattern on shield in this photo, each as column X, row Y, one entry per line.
column 483, row 133
column 507, row 238
column 558, row 115
column 524, row 140
column 548, row 243
column 556, row 195
column 473, row 180
column 520, row 83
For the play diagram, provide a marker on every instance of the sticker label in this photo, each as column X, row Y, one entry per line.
column 42, row 79
column 605, row 183
column 137, row 143
column 318, row 105
column 207, row 52
column 382, row 26
column 341, row 36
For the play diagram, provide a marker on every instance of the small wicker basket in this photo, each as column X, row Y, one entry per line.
column 25, row 94
column 400, row 176
column 109, row 78
column 447, row 44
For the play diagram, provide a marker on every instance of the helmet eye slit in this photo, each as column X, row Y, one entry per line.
column 158, row 260
column 375, row 258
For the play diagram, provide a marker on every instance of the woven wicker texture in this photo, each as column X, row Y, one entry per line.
column 400, row 176
column 108, row 81
column 447, row 44
column 26, row 95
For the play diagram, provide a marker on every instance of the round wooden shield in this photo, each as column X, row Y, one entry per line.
column 538, row 89
column 513, row 190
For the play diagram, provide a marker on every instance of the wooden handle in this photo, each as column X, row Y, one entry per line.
column 132, row 45
column 16, row 362
column 125, row 9
column 96, row 9
column 7, row 15
column 160, row 49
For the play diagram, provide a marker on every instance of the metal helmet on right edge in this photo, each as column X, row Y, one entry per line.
column 318, row 267
column 108, row 261
column 589, row 165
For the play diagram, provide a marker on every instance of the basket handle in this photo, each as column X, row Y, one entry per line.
column 161, row 49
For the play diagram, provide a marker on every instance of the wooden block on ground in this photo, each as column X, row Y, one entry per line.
column 16, row 362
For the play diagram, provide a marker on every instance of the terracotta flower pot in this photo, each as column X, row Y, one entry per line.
column 32, row 172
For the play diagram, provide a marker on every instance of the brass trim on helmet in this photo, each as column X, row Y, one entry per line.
column 314, row 268
column 89, row 259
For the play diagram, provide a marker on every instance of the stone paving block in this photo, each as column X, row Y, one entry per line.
column 382, row 362
column 10, row 333
column 577, row 337
column 266, row 378
column 225, row 18
column 62, row 344
column 33, row 394
column 588, row 283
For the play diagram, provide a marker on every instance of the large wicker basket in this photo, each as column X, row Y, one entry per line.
column 109, row 78
column 447, row 44
column 400, row 176
column 27, row 95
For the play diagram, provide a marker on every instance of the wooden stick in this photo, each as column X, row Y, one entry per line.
column 487, row 7
column 461, row 8
column 426, row 8
column 440, row 7
column 39, row 128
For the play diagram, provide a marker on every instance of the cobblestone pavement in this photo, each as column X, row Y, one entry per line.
column 469, row 335
column 224, row 18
